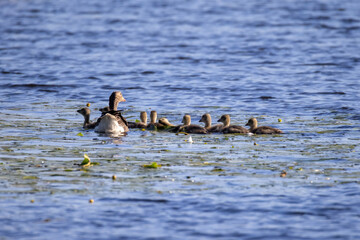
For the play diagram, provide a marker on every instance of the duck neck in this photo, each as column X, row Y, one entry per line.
column 143, row 118
column 113, row 104
column 226, row 122
column 113, row 101
column 208, row 122
column 153, row 117
column 187, row 120
column 86, row 119
column 254, row 125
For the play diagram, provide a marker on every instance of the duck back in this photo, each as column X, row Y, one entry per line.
column 196, row 129
column 234, row 129
column 266, row 130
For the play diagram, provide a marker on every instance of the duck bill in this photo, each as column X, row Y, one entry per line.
column 122, row 99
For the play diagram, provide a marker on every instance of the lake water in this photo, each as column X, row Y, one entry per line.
column 298, row 61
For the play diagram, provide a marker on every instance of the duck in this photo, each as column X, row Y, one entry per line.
column 253, row 124
column 153, row 125
column 190, row 128
column 86, row 113
column 104, row 109
column 206, row 118
column 141, row 124
column 165, row 121
column 167, row 125
column 227, row 128
column 112, row 121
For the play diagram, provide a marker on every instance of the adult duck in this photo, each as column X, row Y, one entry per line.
column 112, row 121
column 253, row 124
column 227, row 128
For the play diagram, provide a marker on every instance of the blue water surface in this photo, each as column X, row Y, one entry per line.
column 292, row 64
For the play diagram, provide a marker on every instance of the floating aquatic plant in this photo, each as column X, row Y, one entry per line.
column 152, row 165
column 86, row 162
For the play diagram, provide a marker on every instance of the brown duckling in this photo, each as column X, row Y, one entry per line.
column 141, row 124
column 104, row 109
column 165, row 121
column 206, row 118
column 227, row 128
column 153, row 125
column 86, row 113
column 167, row 125
column 253, row 124
column 191, row 128
column 112, row 121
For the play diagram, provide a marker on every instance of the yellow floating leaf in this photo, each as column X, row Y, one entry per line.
column 152, row 165
column 91, row 201
column 279, row 120
column 86, row 162
column 88, row 104
column 80, row 134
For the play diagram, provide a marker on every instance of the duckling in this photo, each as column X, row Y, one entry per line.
column 167, row 125
column 190, row 128
column 263, row 129
column 141, row 124
column 227, row 128
column 206, row 118
column 86, row 113
column 104, row 109
column 153, row 125
column 112, row 121
column 165, row 121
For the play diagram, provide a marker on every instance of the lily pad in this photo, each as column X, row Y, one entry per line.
column 152, row 165
column 86, row 162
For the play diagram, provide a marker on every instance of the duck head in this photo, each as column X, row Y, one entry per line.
column 114, row 100
column 252, row 123
column 225, row 119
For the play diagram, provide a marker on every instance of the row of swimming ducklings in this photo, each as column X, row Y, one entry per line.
column 187, row 127
column 112, row 121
